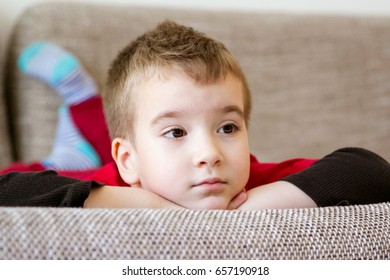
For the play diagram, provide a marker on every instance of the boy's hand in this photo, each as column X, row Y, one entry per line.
column 237, row 201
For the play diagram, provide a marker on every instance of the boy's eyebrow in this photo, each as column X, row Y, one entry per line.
column 233, row 109
column 178, row 114
column 167, row 115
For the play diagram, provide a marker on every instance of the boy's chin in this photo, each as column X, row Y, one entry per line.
column 209, row 203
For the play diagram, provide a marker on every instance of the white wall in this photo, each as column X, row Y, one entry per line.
column 11, row 9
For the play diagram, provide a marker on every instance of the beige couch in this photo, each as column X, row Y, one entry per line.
column 318, row 83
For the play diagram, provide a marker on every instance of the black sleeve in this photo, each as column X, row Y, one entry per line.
column 46, row 189
column 346, row 177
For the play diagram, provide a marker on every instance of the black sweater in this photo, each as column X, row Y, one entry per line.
column 345, row 177
column 44, row 188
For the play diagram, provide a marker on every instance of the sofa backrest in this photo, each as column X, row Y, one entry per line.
column 318, row 82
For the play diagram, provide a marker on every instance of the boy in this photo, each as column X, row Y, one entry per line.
column 177, row 107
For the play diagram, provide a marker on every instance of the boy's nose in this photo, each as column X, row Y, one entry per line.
column 207, row 153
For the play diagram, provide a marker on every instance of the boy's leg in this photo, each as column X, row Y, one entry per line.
column 62, row 71
column 89, row 118
column 71, row 151
column 22, row 167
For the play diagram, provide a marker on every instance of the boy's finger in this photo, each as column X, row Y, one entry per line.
column 237, row 201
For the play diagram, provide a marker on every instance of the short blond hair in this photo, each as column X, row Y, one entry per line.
column 169, row 46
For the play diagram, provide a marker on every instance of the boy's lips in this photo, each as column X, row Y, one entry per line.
column 215, row 184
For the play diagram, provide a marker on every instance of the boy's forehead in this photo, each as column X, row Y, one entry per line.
column 159, row 86
column 167, row 75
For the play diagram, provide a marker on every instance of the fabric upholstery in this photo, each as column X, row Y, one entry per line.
column 316, row 233
column 5, row 145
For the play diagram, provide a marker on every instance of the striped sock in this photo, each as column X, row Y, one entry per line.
column 59, row 69
column 70, row 151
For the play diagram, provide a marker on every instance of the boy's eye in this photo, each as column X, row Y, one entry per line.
column 175, row 133
column 228, row 129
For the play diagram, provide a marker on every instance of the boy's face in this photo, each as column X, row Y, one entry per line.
column 191, row 142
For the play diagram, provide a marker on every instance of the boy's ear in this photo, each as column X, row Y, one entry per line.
column 123, row 153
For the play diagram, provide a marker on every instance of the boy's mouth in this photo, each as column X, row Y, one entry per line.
column 211, row 184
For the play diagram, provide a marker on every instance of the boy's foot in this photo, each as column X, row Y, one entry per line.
column 71, row 151
column 59, row 69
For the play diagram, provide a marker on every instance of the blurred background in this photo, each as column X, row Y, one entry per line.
column 11, row 9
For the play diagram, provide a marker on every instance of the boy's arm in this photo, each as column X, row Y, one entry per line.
column 125, row 197
column 45, row 189
column 277, row 195
column 345, row 177
column 48, row 189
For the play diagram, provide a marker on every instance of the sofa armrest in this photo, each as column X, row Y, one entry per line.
column 343, row 232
